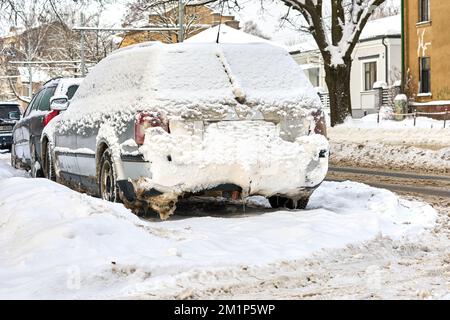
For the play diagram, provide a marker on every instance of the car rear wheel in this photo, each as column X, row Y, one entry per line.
column 49, row 166
column 107, row 179
column 13, row 157
column 281, row 202
column 36, row 169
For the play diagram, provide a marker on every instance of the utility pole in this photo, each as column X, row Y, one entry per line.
column 30, row 75
column 181, row 20
column 83, row 58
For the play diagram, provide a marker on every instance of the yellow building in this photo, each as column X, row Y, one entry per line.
column 426, row 48
column 195, row 16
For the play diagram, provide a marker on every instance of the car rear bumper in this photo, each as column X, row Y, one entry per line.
column 169, row 169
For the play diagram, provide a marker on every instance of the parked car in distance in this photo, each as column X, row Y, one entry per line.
column 26, row 148
column 155, row 123
column 10, row 113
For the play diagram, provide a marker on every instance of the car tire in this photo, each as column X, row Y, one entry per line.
column 49, row 165
column 107, row 180
column 35, row 173
column 277, row 202
column 13, row 157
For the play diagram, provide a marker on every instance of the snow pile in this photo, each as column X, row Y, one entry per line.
column 250, row 154
column 396, row 157
column 5, row 169
column 370, row 122
column 392, row 132
column 392, row 144
column 386, row 113
column 75, row 246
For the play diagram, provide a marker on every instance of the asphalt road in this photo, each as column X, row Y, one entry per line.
column 396, row 181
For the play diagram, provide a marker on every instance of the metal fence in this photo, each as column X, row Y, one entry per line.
column 416, row 114
column 388, row 96
column 325, row 98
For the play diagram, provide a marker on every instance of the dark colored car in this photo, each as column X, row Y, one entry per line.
column 26, row 148
column 10, row 113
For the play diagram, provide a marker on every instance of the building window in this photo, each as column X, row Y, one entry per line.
column 424, row 10
column 425, row 75
column 314, row 76
column 370, row 75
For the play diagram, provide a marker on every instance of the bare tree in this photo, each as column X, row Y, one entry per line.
column 336, row 26
column 345, row 23
column 42, row 31
column 387, row 9
column 29, row 29
column 165, row 13
column 252, row 28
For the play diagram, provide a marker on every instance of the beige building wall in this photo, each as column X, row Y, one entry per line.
column 428, row 39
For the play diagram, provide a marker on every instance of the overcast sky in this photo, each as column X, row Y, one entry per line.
column 267, row 18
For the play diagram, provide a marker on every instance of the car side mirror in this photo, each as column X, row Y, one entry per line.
column 59, row 103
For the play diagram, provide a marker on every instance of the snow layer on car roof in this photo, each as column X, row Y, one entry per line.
column 195, row 76
column 65, row 83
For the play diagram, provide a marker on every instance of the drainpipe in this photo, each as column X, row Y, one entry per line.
column 386, row 60
column 403, row 44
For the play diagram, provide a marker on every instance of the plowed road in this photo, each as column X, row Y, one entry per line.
column 423, row 184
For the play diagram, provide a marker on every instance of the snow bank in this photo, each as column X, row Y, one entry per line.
column 395, row 144
column 75, row 246
column 370, row 122
column 397, row 157
column 6, row 171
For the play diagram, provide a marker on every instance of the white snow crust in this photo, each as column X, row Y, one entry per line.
column 72, row 246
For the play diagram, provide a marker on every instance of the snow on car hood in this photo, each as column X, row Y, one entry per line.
column 195, row 78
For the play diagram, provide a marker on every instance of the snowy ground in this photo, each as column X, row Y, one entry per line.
column 392, row 144
column 57, row 243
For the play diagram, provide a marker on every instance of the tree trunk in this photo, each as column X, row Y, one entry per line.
column 338, row 82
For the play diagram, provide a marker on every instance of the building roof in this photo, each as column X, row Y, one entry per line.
column 228, row 35
column 383, row 27
column 37, row 75
column 389, row 26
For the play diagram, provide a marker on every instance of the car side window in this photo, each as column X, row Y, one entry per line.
column 71, row 91
column 34, row 102
column 44, row 103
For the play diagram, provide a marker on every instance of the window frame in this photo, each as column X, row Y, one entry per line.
column 424, row 16
column 315, row 73
column 421, row 74
column 369, row 87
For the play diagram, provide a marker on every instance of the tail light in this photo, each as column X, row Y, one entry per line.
column 320, row 122
column 145, row 120
column 49, row 117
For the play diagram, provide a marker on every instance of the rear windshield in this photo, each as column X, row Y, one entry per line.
column 71, row 91
column 5, row 111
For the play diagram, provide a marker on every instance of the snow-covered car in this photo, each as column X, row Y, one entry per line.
column 26, row 147
column 9, row 115
column 154, row 123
